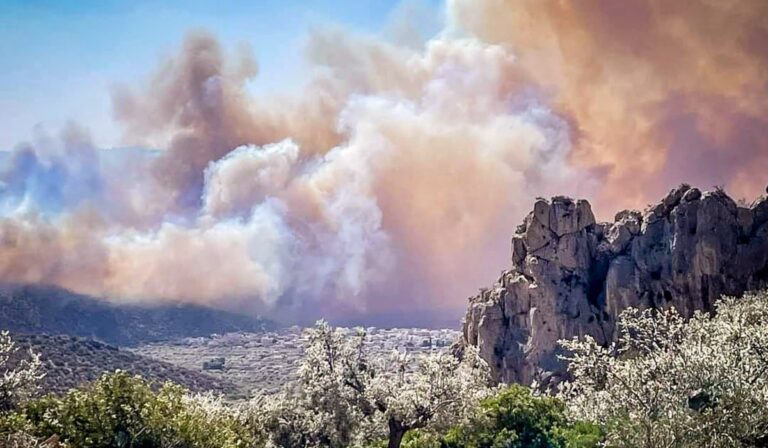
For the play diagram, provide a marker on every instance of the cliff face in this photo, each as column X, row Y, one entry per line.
column 573, row 276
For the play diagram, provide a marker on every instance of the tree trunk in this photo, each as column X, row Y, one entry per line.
column 396, row 433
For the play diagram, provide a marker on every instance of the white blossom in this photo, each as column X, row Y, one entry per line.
column 343, row 398
column 672, row 382
column 18, row 382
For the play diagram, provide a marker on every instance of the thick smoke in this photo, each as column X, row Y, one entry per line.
column 658, row 91
column 385, row 185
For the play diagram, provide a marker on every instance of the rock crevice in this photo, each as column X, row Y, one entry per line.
column 572, row 276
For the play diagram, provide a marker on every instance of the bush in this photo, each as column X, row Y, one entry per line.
column 120, row 410
column 514, row 418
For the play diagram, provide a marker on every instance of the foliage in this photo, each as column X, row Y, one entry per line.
column 318, row 408
column 19, row 382
column 343, row 398
column 413, row 439
column 441, row 392
column 580, row 434
column 668, row 382
column 120, row 410
column 515, row 418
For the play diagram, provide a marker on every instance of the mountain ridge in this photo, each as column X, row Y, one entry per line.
column 35, row 309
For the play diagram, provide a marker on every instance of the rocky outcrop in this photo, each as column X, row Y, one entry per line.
column 572, row 276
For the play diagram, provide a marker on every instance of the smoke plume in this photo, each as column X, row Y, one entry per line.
column 658, row 92
column 385, row 186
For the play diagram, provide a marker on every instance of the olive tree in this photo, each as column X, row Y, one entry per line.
column 672, row 382
column 317, row 408
column 18, row 378
column 343, row 397
column 440, row 392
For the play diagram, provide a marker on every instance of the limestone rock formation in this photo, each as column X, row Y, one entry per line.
column 573, row 276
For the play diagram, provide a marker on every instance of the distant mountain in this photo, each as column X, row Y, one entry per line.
column 51, row 310
column 71, row 362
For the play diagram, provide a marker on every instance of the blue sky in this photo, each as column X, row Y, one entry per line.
column 59, row 59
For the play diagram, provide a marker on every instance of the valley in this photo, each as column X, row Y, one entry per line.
column 265, row 361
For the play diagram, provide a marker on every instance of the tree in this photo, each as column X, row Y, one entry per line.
column 668, row 382
column 343, row 398
column 121, row 411
column 17, row 382
column 442, row 391
column 317, row 409
column 515, row 418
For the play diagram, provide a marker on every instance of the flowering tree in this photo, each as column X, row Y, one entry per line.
column 318, row 408
column 442, row 391
column 19, row 381
column 343, row 398
column 671, row 382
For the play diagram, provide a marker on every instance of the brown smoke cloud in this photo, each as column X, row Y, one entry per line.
column 196, row 105
column 385, row 185
column 658, row 91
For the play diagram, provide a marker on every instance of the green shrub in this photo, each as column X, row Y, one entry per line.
column 580, row 435
column 514, row 418
column 120, row 410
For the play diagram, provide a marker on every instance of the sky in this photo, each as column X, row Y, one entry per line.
column 362, row 161
column 63, row 58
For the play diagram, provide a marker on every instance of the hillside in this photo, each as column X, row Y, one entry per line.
column 50, row 310
column 71, row 361
column 572, row 276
